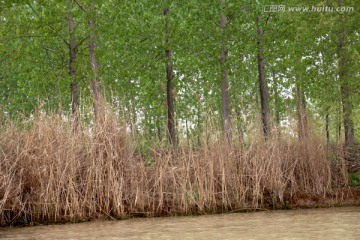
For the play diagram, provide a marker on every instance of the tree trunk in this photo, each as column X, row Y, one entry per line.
column 187, row 131
column 301, row 110
column 199, row 126
column 327, row 123
column 95, row 84
column 264, row 94
column 344, row 84
column 276, row 103
column 224, row 80
column 133, row 116
column 169, row 87
column 338, row 124
column 239, row 124
column 72, row 73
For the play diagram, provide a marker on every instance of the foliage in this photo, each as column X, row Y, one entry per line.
column 300, row 48
column 354, row 179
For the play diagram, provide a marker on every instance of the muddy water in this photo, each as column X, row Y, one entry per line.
column 332, row 223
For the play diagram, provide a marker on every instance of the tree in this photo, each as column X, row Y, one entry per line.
column 264, row 93
column 73, row 85
column 169, row 78
column 344, row 80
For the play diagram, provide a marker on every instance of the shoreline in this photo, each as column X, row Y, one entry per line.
column 340, row 197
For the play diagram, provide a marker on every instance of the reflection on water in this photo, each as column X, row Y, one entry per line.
column 332, row 223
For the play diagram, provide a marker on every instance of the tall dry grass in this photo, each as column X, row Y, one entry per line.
column 50, row 174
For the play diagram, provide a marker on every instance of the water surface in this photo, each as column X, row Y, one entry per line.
column 330, row 223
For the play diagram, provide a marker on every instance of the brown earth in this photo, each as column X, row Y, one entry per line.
column 346, row 196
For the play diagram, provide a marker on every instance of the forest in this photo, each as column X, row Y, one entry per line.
column 114, row 109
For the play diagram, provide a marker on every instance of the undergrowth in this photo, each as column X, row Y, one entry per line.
column 48, row 173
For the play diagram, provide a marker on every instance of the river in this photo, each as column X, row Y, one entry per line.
column 326, row 223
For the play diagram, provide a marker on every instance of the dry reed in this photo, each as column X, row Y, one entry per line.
column 50, row 174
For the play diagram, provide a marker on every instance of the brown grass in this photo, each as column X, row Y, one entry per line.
column 49, row 174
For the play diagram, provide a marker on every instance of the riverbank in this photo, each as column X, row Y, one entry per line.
column 340, row 197
column 51, row 175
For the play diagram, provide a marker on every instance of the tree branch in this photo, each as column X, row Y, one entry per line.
column 28, row 3
column 81, row 42
column 80, row 6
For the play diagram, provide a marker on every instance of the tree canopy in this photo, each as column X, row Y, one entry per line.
column 310, row 58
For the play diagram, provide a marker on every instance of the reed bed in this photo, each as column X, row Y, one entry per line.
column 48, row 173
